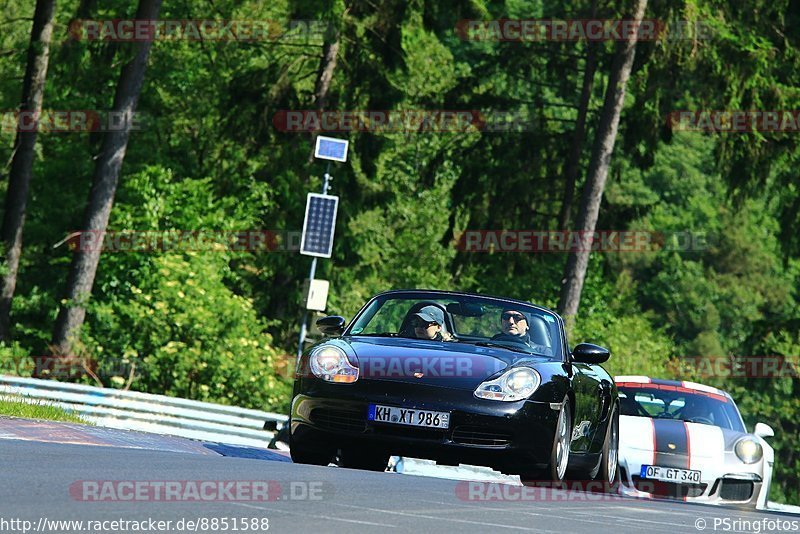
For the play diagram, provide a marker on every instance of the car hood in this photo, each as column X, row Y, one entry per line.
column 446, row 364
column 677, row 443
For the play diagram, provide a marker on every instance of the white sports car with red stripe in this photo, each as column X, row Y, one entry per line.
column 688, row 441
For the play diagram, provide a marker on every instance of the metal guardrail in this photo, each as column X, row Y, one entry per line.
column 132, row 410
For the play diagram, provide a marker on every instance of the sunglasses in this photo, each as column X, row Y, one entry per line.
column 516, row 316
column 423, row 324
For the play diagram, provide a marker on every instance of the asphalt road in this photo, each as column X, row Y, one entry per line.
column 46, row 482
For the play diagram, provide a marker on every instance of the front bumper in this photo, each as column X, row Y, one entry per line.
column 719, row 484
column 509, row 436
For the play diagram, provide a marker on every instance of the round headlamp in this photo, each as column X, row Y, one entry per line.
column 521, row 382
column 331, row 364
column 513, row 385
column 748, row 450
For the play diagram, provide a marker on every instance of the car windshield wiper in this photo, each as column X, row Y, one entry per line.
column 378, row 334
column 698, row 420
column 500, row 346
column 381, row 334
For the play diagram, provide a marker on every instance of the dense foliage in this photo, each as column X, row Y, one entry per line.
column 220, row 324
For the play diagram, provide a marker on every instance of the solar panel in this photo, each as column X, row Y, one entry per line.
column 319, row 225
column 331, row 148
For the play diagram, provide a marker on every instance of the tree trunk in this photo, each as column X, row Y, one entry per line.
column 605, row 137
column 574, row 158
column 104, row 185
column 327, row 66
column 19, row 178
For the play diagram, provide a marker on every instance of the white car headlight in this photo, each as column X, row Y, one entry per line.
column 513, row 385
column 330, row 364
column 748, row 450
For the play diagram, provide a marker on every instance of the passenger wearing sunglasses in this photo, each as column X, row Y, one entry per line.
column 514, row 326
column 428, row 323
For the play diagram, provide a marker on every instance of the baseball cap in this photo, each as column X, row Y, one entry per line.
column 431, row 314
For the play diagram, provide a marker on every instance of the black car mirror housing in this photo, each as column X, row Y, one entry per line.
column 332, row 325
column 589, row 353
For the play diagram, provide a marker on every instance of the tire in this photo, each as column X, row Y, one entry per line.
column 609, row 463
column 363, row 458
column 559, row 457
column 304, row 455
column 556, row 470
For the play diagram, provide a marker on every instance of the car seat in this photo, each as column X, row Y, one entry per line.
column 538, row 332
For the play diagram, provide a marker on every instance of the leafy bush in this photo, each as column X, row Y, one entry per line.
column 167, row 321
column 186, row 334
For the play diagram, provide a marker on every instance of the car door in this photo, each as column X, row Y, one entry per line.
column 589, row 395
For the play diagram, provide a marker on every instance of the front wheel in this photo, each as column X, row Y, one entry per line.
column 556, row 470
column 610, row 461
column 559, row 457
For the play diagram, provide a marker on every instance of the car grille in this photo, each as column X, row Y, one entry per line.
column 345, row 420
column 668, row 489
column 736, row 490
column 476, row 435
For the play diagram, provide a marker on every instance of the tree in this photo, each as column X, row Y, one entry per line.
column 573, row 161
column 605, row 137
column 72, row 312
column 19, row 178
column 327, row 66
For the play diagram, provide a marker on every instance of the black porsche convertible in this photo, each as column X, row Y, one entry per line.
column 456, row 378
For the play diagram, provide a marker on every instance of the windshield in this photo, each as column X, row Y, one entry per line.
column 676, row 402
column 461, row 319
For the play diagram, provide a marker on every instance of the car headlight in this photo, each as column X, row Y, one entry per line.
column 513, row 385
column 330, row 364
column 748, row 450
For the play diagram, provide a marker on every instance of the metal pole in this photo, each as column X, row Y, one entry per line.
column 312, row 272
column 303, row 326
column 327, row 177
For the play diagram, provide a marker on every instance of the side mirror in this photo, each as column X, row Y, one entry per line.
column 764, row 431
column 332, row 325
column 588, row 353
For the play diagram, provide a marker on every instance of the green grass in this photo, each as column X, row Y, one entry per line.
column 31, row 409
